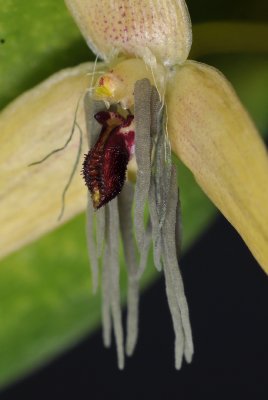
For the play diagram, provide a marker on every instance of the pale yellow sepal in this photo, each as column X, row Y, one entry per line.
column 213, row 135
column 154, row 30
column 36, row 123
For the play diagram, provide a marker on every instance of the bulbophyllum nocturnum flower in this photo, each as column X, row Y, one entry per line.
column 142, row 101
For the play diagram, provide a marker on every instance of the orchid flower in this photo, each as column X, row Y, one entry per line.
column 150, row 98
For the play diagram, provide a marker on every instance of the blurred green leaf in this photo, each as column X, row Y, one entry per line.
column 37, row 38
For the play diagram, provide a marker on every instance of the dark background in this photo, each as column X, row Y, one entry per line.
column 228, row 298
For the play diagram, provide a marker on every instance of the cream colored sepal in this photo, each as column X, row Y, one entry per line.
column 36, row 123
column 213, row 135
column 154, row 30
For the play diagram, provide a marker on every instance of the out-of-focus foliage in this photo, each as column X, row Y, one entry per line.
column 37, row 39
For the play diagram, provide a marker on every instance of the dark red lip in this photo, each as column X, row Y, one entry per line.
column 105, row 165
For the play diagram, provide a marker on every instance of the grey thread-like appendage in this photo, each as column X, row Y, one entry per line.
column 164, row 208
column 175, row 315
column 91, row 245
column 106, row 217
column 171, row 265
column 145, row 249
column 155, row 226
column 157, row 183
column 100, row 230
column 93, row 131
column 113, row 244
column 154, row 200
column 106, row 300
column 161, row 177
column 142, row 112
column 178, row 229
column 125, row 200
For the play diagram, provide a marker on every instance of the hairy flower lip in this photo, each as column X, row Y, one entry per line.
column 105, row 165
